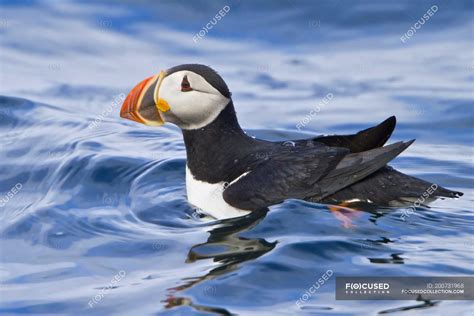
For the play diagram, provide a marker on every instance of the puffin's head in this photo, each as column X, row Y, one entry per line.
column 190, row 96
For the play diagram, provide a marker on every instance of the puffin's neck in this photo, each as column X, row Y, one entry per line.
column 212, row 150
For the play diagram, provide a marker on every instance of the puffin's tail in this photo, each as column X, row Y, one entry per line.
column 363, row 175
column 367, row 139
column 443, row 192
column 389, row 187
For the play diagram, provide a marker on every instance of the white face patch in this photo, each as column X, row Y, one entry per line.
column 193, row 109
column 208, row 198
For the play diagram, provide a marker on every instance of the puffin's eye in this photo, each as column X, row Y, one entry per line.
column 185, row 86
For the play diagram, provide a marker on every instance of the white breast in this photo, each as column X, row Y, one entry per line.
column 208, row 198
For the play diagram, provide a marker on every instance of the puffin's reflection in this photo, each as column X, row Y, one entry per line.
column 225, row 246
column 425, row 304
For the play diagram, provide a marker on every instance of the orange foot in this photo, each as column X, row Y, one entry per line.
column 344, row 214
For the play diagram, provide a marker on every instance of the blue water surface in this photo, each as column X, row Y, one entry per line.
column 94, row 218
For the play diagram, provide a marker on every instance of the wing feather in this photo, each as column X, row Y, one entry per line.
column 306, row 172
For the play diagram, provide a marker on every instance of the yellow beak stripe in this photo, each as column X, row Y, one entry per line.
column 161, row 104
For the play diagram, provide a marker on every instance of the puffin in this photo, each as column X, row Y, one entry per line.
column 231, row 174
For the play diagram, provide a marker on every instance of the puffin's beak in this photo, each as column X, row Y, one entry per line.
column 143, row 104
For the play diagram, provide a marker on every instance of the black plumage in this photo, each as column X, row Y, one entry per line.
column 328, row 169
column 364, row 140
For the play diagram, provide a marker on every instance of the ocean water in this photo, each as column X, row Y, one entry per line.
column 93, row 215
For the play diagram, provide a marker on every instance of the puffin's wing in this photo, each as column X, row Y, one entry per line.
column 303, row 172
column 355, row 167
column 367, row 139
column 290, row 172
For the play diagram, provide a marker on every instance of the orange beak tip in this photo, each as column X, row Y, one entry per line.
column 131, row 104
